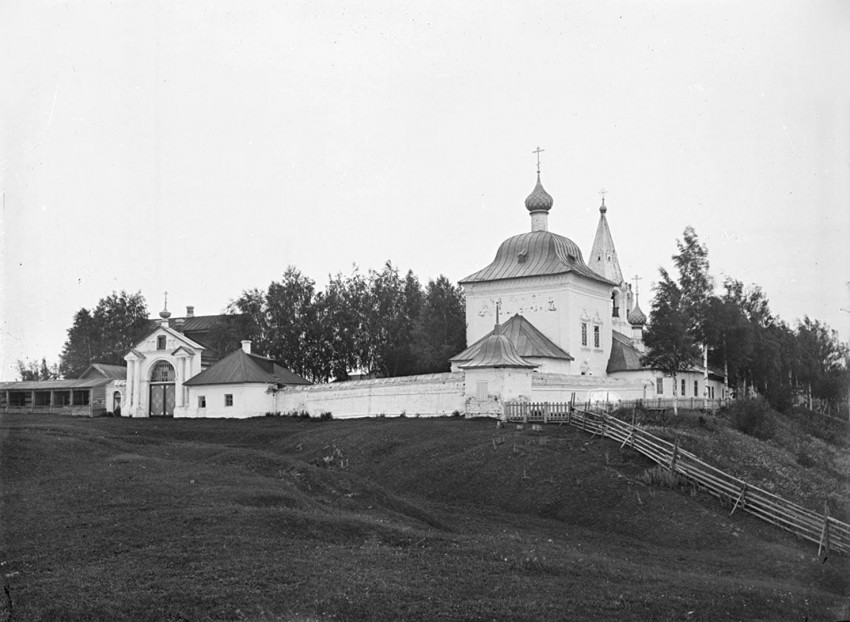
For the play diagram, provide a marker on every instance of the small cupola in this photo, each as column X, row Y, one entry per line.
column 539, row 202
column 165, row 313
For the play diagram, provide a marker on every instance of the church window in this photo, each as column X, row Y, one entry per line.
column 584, row 334
column 696, row 388
column 202, row 401
column 160, row 342
column 228, row 399
column 659, row 386
column 596, row 337
column 683, row 387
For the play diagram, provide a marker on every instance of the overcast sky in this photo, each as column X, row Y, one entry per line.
column 202, row 147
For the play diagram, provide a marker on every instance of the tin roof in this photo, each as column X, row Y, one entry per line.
column 497, row 351
column 239, row 367
column 113, row 372
column 525, row 337
column 47, row 385
column 603, row 256
column 624, row 356
column 535, row 253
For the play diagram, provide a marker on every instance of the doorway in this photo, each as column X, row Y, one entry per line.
column 162, row 390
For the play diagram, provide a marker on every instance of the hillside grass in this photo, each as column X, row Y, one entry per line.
column 799, row 455
column 377, row 519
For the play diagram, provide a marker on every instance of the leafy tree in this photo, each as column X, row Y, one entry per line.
column 697, row 288
column 441, row 329
column 670, row 344
column 290, row 313
column 821, row 368
column 105, row 334
column 252, row 303
column 33, row 370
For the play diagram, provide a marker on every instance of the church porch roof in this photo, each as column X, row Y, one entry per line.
column 525, row 337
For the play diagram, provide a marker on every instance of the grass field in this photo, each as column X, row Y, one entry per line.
column 380, row 519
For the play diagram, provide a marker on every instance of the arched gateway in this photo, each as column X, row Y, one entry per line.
column 162, row 391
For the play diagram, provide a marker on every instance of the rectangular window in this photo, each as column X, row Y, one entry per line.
column 160, row 342
column 81, row 398
column 42, row 398
column 202, row 401
column 228, row 399
column 18, row 398
column 584, row 334
column 62, row 398
column 683, row 388
column 659, row 386
column 696, row 388
column 596, row 337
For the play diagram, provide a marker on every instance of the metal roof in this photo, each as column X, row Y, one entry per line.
column 526, row 339
column 535, row 253
column 48, row 385
column 497, row 351
column 636, row 316
column 239, row 367
column 113, row 372
column 603, row 256
column 624, row 356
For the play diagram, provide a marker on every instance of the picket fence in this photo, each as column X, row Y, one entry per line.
column 827, row 532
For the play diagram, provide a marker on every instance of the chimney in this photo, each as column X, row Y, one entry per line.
column 178, row 324
column 190, row 311
column 246, row 346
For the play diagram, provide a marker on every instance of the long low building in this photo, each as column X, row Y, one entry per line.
column 98, row 391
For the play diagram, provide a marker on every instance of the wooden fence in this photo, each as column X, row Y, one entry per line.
column 827, row 532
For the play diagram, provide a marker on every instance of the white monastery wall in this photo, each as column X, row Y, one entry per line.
column 560, row 388
column 427, row 395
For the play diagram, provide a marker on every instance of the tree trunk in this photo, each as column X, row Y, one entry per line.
column 705, row 375
column 675, row 395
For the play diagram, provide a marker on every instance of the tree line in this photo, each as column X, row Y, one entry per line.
column 381, row 323
column 735, row 330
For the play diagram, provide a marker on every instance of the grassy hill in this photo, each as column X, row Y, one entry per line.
column 379, row 519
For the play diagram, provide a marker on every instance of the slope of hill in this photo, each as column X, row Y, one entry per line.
column 381, row 519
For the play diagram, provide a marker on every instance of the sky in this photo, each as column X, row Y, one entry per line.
column 203, row 147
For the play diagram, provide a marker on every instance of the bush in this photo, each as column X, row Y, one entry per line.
column 754, row 417
column 326, row 416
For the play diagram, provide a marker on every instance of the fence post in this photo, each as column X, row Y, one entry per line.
column 824, row 536
column 546, row 412
column 675, row 455
column 740, row 500
column 525, row 412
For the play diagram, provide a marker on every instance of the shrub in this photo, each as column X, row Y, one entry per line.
column 455, row 413
column 754, row 417
column 326, row 416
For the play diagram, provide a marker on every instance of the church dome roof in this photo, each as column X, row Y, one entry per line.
column 539, row 200
column 535, row 253
column 636, row 316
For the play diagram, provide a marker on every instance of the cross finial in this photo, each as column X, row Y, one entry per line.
column 498, row 305
column 636, row 278
column 602, row 193
column 538, row 151
column 165, row 305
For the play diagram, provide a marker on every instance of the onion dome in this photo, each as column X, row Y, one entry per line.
column 636, row 316
column 165, row 314
column 602, row 208
column 539, row 200
column 497, row 351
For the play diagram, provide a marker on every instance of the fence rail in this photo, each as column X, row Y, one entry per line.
column 822, row 529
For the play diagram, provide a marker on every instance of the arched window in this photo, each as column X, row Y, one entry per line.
column 615, row 303
column 163, row 371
